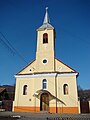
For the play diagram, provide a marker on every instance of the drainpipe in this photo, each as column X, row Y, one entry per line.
column 56, row 91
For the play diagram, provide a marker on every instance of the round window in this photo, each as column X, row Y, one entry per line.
column 44, row 61
column 31, row 69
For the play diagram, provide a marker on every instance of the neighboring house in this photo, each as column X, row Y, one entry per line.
column 10, row 90
column 46, row 84
column 6, row 97
column 84, row 96
column 3, row 93
column 3, row 96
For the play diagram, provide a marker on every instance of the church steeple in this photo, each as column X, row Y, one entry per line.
column 46, row 22
column 46, row 18
column 45, row 46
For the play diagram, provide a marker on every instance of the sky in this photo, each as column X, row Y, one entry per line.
column 19, row 20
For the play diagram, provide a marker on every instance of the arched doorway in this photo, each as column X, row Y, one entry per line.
column 44, row 102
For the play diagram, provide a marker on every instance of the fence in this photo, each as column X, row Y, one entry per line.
column 7, row 105
column 66, row 118
column 71, row 117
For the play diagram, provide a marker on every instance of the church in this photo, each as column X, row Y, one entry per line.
column 46, row 84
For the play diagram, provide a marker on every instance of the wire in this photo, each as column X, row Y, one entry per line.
column 10, row 47
column 4, row 44
column 7, row 41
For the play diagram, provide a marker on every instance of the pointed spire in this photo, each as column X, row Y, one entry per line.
column 46, row 22
column 46, row 18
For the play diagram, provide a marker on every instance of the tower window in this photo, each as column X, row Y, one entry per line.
column 25, row 90
column 45, row 38
column 44, row 84
column 65, row 89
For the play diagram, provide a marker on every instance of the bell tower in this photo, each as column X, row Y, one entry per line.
column 45, row 46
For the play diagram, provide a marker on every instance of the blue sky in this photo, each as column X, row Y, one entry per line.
column 19, row 20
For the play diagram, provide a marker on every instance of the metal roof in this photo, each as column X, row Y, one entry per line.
column 46, row 22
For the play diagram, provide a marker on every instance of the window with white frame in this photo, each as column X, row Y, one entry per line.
column 25, row 90
column 44, row 84
column 65, row 89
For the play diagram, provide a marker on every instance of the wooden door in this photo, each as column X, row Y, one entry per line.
column 44, row 102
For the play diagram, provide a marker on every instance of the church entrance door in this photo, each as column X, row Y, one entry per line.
column 44, row 102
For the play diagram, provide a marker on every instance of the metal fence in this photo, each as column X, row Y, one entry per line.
column 57, row 117
column 69, row 118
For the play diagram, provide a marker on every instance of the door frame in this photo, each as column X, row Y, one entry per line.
column 41, row 102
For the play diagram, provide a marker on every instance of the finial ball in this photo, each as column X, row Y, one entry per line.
column 46, row 8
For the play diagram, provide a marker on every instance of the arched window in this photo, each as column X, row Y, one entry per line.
column 25, row 90
column 44, row 84
column 65, row 89
column 45, row 38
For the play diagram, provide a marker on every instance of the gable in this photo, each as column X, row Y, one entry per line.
column 62, row 67
column 59, row 67
column 29, row 69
